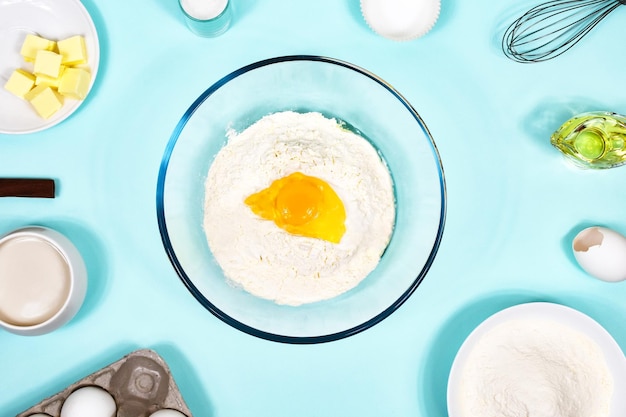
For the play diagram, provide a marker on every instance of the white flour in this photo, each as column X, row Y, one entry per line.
column 266, row 260
column 536, row 368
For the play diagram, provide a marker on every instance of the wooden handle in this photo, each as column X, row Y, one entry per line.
column 27, row 187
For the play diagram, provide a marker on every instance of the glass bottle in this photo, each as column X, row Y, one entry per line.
column 593, row 140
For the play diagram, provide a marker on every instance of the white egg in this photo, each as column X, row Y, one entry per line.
column 39, row 415
column 601, row 252
column 167, row 413
column 89, row 401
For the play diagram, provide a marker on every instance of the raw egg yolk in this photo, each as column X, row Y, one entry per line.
column 302, row 205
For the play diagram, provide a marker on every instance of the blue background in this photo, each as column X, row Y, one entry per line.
column 514, row 205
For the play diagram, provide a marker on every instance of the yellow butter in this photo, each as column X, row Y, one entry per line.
column 47, row 63
column 20, row 82
column 75, row 83
column 73, row 50
column 52, row 82
column 45, row 100
column 32, row 44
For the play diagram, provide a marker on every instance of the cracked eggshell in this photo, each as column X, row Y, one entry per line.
column 601, row 252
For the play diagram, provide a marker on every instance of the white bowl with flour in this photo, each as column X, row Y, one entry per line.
column 538, row 360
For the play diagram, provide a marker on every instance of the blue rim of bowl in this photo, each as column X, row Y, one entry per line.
column 188, row 282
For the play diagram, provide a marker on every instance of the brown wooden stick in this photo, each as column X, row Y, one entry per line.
column 27, row 187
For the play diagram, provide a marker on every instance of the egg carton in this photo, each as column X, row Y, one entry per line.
column 141, row 383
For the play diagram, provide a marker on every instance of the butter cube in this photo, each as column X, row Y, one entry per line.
column 52, row 82
column 73, row 50
column 20, row 82
column 47, row 63
column 32, row 44
column 45, row 100
column 75, row 83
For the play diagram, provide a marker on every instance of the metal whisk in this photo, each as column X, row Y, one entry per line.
column 549, row 29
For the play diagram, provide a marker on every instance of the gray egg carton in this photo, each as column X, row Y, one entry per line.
column 141, row 383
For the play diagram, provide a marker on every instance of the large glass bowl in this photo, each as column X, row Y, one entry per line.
column 339, row 90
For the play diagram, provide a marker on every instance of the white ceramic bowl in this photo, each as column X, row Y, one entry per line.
column 43, row 281
column 400, row 20
column 56, row 20
column 557, row 313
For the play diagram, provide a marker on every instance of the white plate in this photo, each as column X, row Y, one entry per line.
column 566, row 316
column 51, row 19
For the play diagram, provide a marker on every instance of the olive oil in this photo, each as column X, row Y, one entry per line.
column 593, row 140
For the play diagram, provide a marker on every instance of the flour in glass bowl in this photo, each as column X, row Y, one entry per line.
column 535, row 368
column 269, row 262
